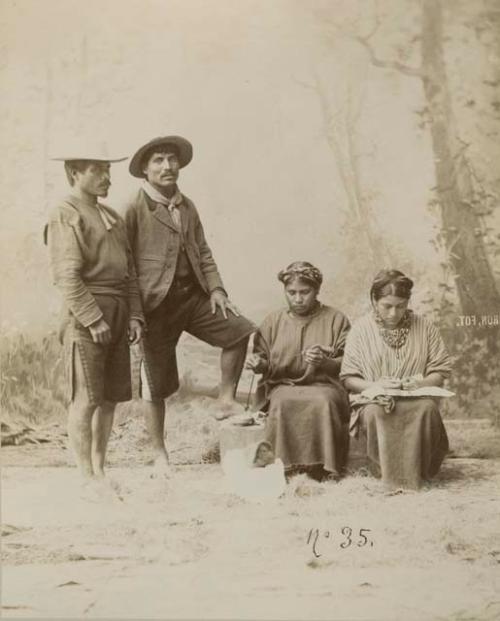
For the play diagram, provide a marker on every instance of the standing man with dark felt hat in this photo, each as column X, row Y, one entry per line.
column 93, row 269
column 180, row 285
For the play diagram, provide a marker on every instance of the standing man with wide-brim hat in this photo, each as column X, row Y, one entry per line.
column 93, row 269
column 180, row 285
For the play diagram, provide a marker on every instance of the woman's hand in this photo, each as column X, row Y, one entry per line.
column 411, row 383
column 314, row 355
column 390, row 383
column 256, row 363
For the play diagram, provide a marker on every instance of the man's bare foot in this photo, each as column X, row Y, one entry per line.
column 86, row 490
column 226, row 408
column 161, row 467
column 110, row 489
column 100, row 489
column 100, row 475
column 92, row 490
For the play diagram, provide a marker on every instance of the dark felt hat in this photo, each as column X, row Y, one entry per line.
column 183, row 148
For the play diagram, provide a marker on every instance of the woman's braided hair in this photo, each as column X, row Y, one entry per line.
column 303, row 270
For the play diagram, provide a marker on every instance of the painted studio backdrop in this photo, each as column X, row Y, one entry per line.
column 353, row 134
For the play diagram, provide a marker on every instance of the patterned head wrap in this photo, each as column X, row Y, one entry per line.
column 303, row 270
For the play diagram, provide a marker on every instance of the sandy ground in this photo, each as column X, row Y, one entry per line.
column 189, row 549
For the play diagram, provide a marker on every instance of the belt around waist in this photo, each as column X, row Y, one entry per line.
column 120, row 290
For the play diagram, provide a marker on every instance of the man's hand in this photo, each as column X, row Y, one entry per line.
column 314, row 355
column 219, row 299
column 135, row 330
column 100, row 331
column 256, row 364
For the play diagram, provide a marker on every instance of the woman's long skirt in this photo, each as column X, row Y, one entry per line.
column 407, row 445
column 308, row 426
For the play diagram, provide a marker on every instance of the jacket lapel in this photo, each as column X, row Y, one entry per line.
column 161, row 213
column 158, row 211
column 185, row 214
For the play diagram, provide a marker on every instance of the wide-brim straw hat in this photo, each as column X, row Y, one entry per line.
column 182, row 147
column 84, row 149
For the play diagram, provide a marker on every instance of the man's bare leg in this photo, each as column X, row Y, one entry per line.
column 80, row 436
column 231, row 362
column 102, row 423
column 154, row 415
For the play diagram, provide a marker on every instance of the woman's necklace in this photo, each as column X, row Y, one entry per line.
column 395, row 337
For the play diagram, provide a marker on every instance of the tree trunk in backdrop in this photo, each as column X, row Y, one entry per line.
column 477, row 290
column 340, row 129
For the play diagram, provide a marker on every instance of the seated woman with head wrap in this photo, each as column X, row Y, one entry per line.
column 393, row 350
column 299, row 351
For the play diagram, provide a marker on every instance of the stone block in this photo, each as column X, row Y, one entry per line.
column 234, row 436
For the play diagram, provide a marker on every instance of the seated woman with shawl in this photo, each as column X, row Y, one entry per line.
column 389, row 353
column 299, row 351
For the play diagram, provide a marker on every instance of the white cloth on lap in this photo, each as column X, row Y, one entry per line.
column 251, row 483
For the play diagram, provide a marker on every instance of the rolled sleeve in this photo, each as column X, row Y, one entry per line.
column 438, row 361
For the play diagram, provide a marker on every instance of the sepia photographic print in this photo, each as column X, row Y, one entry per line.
column 250, row 311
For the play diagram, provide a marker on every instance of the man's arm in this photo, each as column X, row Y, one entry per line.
column 131, row 226
column 67, row 263
column 207, row 262
column 136, row 315
column 134, row 297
